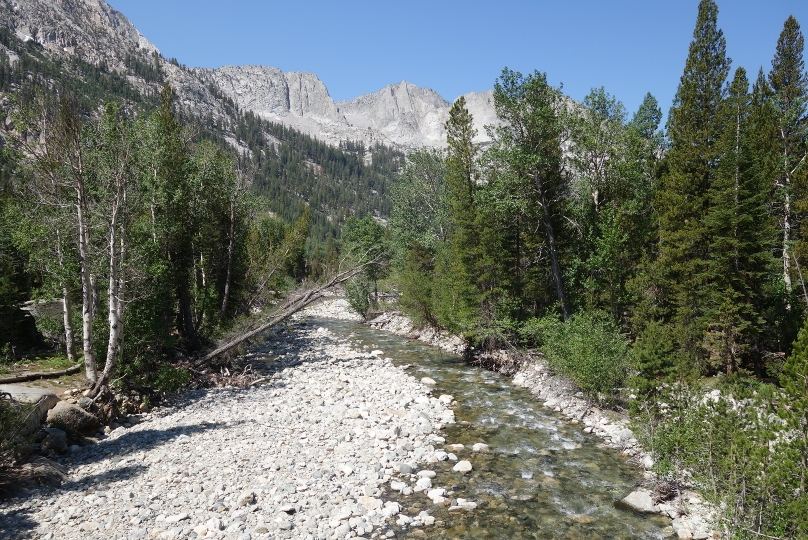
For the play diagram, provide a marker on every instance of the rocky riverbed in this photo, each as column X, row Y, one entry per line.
column 692, row 517
column 319, row 451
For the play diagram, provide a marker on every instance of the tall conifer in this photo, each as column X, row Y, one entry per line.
column 458, row 298
column 737, row 222
column 694, row 129
column 789, row 83
column 529, row 145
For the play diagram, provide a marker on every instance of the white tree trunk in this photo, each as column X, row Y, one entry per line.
column 115, row 286
column 67, row 308
column 230, row 247
column 87, row 287
column 113, row 302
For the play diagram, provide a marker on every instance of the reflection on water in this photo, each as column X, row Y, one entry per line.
column 542, row 477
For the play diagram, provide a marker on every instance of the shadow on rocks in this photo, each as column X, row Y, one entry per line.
column 17, row 524
column 117, row 449
column 141, row 441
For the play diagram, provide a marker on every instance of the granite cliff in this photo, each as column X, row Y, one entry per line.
column 402, row 115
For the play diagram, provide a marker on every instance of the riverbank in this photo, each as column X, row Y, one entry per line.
column 692, row 517
column 318, row 451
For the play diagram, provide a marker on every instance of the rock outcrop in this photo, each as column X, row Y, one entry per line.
column 42, row 400
column 92, row 29
column 401, row 115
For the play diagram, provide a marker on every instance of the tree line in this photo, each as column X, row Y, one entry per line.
column 652, row 267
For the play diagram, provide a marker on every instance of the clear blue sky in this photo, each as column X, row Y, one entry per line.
column 358, row 46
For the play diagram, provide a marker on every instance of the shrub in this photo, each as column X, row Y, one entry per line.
column 168, row 379
column 653, row 360
column 588, row 349
column 359, row 294
column 13, row 416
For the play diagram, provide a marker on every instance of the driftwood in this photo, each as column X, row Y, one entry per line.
column 292, row 306
column 43, row 375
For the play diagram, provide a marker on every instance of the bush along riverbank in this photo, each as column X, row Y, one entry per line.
column 692, row 517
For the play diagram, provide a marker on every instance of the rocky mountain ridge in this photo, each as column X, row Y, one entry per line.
column 401, row 115
column 91, row 29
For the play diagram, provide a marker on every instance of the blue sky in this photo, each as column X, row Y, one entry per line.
column 628, row 46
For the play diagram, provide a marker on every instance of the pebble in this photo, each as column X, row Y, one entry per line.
column 304, row 456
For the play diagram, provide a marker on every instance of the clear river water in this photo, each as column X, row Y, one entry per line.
column 543, row 476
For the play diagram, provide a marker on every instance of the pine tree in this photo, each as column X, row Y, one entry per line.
column 457, row 269
column 782, row 322
column 694, row 128
column 792, row 473
column 789, row 83
column 737, row 223
column 528, row 150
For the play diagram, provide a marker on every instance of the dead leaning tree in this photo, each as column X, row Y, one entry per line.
column 285, row 311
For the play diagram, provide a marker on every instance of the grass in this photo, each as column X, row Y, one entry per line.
column 45, row 363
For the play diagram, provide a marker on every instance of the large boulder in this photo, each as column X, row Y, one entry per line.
column 54, row 439
column 640, row 500
column 72, row 418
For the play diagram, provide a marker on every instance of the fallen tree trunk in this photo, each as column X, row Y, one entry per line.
column 43, row 375
column 285, row 311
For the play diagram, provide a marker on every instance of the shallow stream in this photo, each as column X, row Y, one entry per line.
column 542, row 477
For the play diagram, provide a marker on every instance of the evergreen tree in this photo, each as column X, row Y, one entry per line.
column 789, row 84
column 694, row 128
column 782, row 322
column 528, row 158
column 792, row 474
column 458, row 304
column 737, row 222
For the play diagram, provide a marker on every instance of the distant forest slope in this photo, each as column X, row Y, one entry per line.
column 336, row 182
column 290, row 169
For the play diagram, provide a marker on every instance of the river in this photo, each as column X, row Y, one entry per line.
column 542, row 477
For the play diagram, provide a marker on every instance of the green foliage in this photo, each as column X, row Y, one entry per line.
column 588, row 349
column 13, row 421
column 420, row 207
column 613, row 166
column 529, row 181
column 359, row 293
column 275, row 256
column 695, row 125
column 416, row 281
column 792, row 470
column 91, row 84
column 365, row 242
column 167, row 379
column 653, row 361
column 335, row 182
column 458, row 268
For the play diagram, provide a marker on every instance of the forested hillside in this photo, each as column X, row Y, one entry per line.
column 662, row 271
column 211, row 217
column 291, row 167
